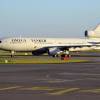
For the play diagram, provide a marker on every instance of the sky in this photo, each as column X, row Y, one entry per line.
column 48, row 18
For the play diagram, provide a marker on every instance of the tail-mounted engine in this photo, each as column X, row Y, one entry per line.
column 95, row 33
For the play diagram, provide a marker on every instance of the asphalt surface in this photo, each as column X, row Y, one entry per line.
column 70, row 81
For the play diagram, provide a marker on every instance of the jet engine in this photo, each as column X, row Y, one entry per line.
column 57, row 52
column 54, row 51
column 90, row 34
column 95, row 33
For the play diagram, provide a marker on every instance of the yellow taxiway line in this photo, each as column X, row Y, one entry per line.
column 39, row 88
column 10, row 88
column 91, row 91
column 63, row 91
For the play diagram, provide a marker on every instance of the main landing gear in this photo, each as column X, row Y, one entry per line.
column 63, row 56
column 66, row 55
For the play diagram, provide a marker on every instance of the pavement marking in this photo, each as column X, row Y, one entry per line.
column 91, row 91
column 40, row 88
column 72, row 80
column 52, row 80
column 84, row 74
column 10, row 88
column 57, row 81
column 43, row 88
column 25, row 88
column 60, row 91
column 63, row 91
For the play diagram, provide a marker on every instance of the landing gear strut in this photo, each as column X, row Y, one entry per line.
column 12, row 53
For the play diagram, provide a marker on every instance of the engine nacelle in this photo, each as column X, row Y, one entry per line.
column 95, row 33
column 57, row 52
column 54, row 51
column 90, row 34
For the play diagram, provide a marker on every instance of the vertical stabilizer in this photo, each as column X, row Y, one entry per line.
column 97, row 29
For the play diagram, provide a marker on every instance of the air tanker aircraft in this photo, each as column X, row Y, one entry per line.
column 52, row 46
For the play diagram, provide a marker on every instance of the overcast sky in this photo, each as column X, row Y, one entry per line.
column 48, row 18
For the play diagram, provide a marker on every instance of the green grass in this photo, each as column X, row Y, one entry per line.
column 5, row 58
column 38, row 61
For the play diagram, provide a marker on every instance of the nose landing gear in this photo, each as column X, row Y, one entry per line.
column 12, row 54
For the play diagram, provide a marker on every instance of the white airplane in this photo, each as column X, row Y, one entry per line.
column 52, row 46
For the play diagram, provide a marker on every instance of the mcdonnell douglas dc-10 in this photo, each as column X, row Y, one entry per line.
column 52, row 46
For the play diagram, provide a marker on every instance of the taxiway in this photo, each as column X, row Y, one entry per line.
column 71, row 81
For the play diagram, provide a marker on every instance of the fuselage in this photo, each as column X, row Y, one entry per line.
column 31, row 44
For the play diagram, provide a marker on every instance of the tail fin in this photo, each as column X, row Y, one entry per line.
column 97, row 29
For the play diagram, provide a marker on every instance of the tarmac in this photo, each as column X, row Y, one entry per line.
column 70, row 81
